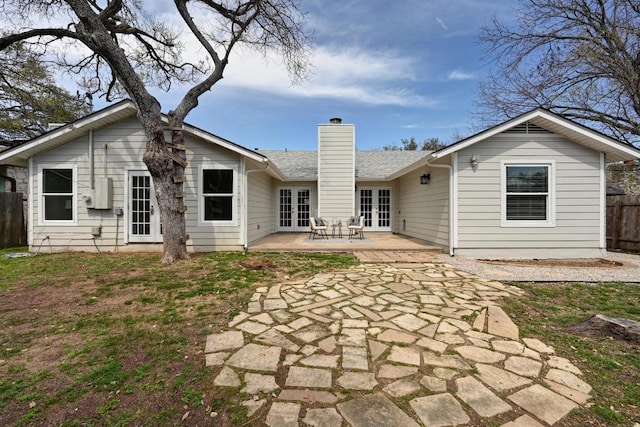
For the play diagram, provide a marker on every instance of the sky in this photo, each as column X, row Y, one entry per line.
column 401, row 69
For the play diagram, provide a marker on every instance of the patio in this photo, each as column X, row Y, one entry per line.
column 300, row 242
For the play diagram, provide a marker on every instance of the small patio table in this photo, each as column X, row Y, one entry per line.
column 333, row 229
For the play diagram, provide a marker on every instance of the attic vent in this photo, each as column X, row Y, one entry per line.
column 527, row 127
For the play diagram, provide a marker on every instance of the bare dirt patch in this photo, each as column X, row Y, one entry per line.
column 604, row 326
column 576, row 263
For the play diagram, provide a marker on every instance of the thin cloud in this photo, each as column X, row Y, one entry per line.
column 460, row 75
column 442, row 24
column 373, row 78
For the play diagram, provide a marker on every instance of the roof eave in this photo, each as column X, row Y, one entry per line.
column 615, row 150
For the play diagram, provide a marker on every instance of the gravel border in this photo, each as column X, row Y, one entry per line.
column 629, row 272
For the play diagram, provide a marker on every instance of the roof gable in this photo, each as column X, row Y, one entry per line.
column 19, row 155
column 577, row 133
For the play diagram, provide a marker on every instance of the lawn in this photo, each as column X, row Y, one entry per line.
column 115, row 339
column 611, row 366
column 118, row 339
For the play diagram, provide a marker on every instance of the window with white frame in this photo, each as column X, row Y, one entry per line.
column 218, row 194
column 527, row 194
column 58, row 196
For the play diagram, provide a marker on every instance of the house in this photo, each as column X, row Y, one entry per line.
column 533, row 186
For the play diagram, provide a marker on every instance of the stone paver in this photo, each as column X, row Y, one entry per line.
column 396, row 371
column 499, row 379
column 256, row 383
column 500, row 324
column 323, row 418
column 256, row 357
column 357, row 381
column 374, row 410
column 224, row 341
column 402, row 387
column 283, row 414
column 480, row 398
column 354, row 358
column 439, row 410
column 543, row 403
column 308, row 377
column 309, row 396
column 418, row 330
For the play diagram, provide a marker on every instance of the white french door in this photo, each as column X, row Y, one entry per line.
column 294, row 207
column 375, row 205
column 143, row 213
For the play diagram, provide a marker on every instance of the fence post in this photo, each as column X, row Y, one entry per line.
column 617, row 223
column 12, row 230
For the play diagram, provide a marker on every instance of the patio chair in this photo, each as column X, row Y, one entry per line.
column 318, row 228
column 356, row 227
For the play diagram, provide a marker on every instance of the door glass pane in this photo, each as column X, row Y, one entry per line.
column 286, row 208
column 366, row 206
column 140, row 205
column 303, row 208
column 384, row 208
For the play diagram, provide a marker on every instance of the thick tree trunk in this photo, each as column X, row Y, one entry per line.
column 166, row 163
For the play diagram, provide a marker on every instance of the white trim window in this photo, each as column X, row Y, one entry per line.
column 57, row 194
column 218, row 188
column 528, row 194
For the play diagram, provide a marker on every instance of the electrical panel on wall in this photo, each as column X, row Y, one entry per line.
column 103, row 196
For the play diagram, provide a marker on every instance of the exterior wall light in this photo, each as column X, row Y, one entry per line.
column 424, row 179
column 475, row 159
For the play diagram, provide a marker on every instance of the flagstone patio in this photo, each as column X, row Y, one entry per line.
column 391, row 345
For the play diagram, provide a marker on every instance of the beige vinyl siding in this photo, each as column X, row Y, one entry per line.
column 125, row 144
column 208, row 236
column 576, row 195
column 422, row 211
column 261, row 206
column 336, row 170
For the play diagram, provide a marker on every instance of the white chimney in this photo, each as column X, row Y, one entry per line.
column 336, row 170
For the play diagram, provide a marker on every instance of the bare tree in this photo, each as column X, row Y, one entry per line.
column 410, row 144
column 116, row 47
column 580, row 58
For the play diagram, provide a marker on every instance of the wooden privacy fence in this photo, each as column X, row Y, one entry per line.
column 12, row 226
column 623, row 223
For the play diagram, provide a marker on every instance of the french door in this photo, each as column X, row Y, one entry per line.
column 375, row 205
column 143, row 214
column 294, row 207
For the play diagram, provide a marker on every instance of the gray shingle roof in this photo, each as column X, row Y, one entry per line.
column 369, row 164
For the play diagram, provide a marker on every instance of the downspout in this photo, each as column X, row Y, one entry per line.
column 603, row 204
column 245, row 203
column 452, row 223
column 30, row 196
column 92, row 184
column 12, row 182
